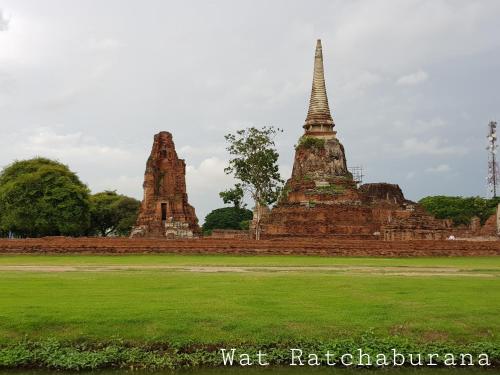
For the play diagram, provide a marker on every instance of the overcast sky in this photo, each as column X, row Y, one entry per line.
column 412, row 86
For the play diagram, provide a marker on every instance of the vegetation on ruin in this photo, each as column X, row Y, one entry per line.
column 310, row 143
column 112, row 213
column 330, row 189
column 254, row 164
column 226, row 218
column 460, row 210
column 284, row 193
column 42, row 197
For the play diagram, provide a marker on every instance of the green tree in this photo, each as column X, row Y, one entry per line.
column 226, row 218
column 460, row 209
column 42, row 197
column 112, row 213
column 234, row 196
column 255, row 164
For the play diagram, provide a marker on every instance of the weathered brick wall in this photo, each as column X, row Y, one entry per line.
column 310, row 246
column 230, row 233
column 490, row 226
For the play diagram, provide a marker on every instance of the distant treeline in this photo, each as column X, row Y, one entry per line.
column 43, row 197
column 460, row 210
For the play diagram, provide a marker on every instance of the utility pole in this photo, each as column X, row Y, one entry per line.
column 493, row 174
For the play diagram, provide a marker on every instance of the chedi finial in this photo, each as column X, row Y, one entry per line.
column 319, row 120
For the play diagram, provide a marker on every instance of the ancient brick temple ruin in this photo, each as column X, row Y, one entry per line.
column 165, row 211
column 322, row 199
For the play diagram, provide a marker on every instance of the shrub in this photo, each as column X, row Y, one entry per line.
column 226, row 218
column 112, row 213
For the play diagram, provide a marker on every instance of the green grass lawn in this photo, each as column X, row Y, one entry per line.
column 180, row 306
column 241, row 260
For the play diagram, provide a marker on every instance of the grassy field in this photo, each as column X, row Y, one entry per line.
column 241, row 260
column 152, row 305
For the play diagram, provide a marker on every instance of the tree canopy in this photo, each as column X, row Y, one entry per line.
column 460, row 209
column 227, row 218
column 255, row 164
column 42, row 197
column 234, row 196
column 112, row 213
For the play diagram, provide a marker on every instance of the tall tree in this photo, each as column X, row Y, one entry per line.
column 255, row 164
column 112, row 213
column 42, row 197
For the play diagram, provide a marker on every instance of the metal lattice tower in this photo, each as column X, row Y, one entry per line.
column 493, row 173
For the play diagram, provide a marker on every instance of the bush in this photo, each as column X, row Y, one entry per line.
column 460, row 209
column 42, row 197
column 311, row 142
column 226, row 218
column 112, row 213
column 70, row 356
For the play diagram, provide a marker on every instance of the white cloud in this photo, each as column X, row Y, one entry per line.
column 188, row 151
column 264, row 87
column 441, row 168
column 420, row 126
column 204, row 182
column 4, row 22
column 70, row 146
column 361, row 82
column 208, row 175
column 431, row 124
column 413, row 78
column 285, row 171
column 101, row 166
column 410, row 175
column 433, row 146
column 398, row 34
column 104, row 44
column 124, row 184
column 27, row 43
column 219, row 70
column 83, row 84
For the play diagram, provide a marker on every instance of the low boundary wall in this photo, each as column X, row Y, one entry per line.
column 295, row 246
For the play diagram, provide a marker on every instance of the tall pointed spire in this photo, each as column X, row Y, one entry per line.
column 319, row 120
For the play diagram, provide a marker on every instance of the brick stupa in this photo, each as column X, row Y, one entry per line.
column 165, row 211
column 322, row 199
column 320, row 166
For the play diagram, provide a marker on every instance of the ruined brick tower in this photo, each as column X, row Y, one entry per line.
column 165, row 211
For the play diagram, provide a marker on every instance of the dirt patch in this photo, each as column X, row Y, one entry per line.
column 359, row 270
